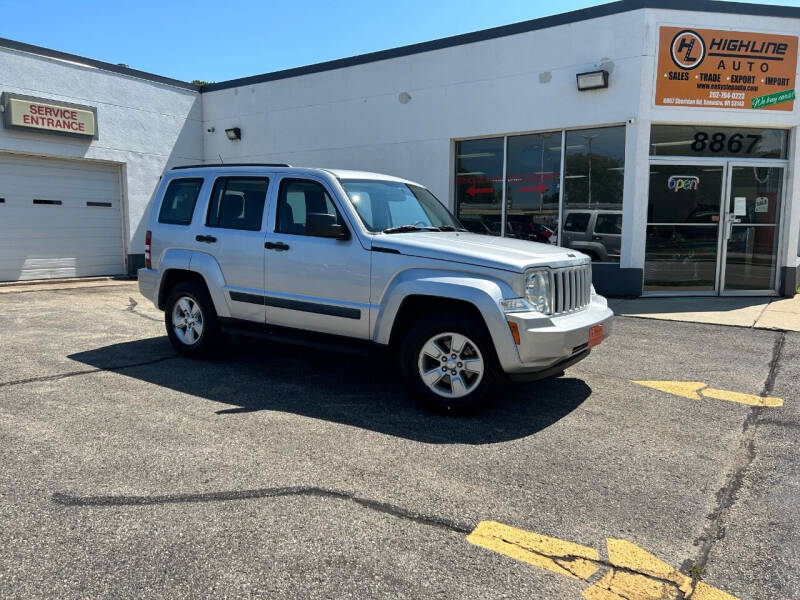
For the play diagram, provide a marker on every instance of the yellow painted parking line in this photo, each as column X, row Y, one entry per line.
column 621, row 585
column 748, row 399
column 703, row 591
column 632, row 573
column 624, row 554
column 697, row 390
column 684, row 389
column 558, row 556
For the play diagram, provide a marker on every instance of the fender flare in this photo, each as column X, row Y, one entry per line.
column 204, row 265
column 209, row 268
column 483, row 292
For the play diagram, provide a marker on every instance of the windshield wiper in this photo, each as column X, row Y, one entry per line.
column 409, row 228
column 450, row 228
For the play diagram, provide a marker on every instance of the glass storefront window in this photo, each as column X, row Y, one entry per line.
column 479, row 184
column 593, row 182
column 591, row 201
column 533, row 177
column 718, row 142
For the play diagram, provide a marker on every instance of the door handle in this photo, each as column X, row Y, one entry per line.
column 597, row 237
column 209, row 239
column 279, row 246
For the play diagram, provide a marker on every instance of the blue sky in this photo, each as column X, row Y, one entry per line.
column 215, row 40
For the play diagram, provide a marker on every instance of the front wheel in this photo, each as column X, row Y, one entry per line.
column 191, row 321
column 449, row 363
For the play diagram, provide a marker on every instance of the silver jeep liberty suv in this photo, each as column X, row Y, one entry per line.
column 349, row 255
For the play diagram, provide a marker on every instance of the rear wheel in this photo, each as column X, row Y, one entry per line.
column 191, row 321
column 448, row 362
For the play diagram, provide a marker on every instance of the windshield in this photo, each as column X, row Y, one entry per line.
column 395, row 207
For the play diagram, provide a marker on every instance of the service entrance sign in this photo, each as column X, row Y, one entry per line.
column 725, row 69
column 48, row 116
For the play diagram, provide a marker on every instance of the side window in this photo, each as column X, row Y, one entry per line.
column 576, row 222
column 300, row 203
column 608, row 223
column 177, row 207
column 237, row 203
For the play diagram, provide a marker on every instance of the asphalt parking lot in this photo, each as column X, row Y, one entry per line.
column 284, row 471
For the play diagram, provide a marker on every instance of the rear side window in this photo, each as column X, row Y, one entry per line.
column 180, row 198
column 608, row 223
column 576, row 222
column 237, row 203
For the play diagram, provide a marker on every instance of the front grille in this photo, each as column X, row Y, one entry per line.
column 571, row 288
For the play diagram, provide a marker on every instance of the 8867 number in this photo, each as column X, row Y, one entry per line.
column 719, row 142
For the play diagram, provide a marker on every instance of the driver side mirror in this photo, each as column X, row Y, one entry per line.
column 325, row 225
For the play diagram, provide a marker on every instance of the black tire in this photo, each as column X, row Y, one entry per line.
column 208, row 339
column 432, row 325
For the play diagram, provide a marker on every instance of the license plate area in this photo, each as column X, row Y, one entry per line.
column 595, row 335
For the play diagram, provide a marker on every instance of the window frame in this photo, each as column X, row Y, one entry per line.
column 211, row 201
column 202, row 181
column 289, row 180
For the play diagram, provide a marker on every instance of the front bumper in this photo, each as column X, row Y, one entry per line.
column 550, row 371
column 547, row 341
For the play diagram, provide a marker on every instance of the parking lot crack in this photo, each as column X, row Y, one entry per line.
column 68, row 374
column 276, row 492
column 774, row 364
column 745, row 454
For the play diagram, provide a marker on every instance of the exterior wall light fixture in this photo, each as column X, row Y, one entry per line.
column 592, row 80
column 234, row 133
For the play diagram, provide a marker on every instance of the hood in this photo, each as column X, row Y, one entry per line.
column 481, row 250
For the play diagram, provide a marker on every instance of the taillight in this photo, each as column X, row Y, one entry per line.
column 148, row 238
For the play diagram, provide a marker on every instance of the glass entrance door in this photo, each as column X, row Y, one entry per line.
column 713, row 228
column 683, row 225
column 752, row 218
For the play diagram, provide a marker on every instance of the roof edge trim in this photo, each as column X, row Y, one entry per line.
column 98, row 64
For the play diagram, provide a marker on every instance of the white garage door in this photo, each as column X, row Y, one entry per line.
column 58, row 218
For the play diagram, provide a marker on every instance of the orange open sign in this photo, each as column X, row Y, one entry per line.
column 595, row 335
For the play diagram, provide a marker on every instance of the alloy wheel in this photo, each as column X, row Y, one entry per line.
column 451, row 365
column 187, row 320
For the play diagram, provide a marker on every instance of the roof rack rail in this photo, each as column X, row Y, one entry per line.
column 231, row 165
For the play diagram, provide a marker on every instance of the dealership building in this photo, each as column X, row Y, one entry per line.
column 658, row 136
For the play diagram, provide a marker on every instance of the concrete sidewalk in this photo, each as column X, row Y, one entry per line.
column 758, row 312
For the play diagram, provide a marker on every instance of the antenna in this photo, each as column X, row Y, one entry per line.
column 220, row 159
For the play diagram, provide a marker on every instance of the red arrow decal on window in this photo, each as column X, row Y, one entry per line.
column 472, row 190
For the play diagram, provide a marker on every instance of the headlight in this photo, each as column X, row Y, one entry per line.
column 515, row 305
column 537, row 290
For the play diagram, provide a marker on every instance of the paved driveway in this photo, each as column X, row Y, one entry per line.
column 283, row 471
